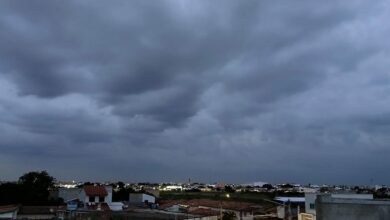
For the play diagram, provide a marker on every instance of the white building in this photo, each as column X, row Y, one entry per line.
column 96, row 194
column 94, row 197
column 141, row 198
column 172, row 188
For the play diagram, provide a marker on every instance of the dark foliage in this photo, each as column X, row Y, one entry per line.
column 268, row 186
column 228, row 216
column 121, row 193
column 31, row 189
column 229, row 189
column 193, row 190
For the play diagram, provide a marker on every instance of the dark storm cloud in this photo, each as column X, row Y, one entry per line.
column 234, row 91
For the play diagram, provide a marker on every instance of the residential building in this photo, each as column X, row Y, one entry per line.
column 97, row 194
column 9, row 212
column 89, row 197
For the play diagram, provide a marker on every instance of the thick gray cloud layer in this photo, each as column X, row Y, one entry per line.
column 209, row 90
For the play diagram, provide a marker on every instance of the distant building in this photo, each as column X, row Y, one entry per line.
column 173, row 188
column 220, row 186
column 307, row 190
column 141, row 198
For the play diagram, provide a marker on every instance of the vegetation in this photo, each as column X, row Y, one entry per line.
column 121, row 192
column 32, row 189
column 229, row 216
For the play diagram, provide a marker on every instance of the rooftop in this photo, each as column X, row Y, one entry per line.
column 290, row 199
column 92, row 190
column 8, row 208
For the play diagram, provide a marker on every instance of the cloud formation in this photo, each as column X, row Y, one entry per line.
column 212, row 91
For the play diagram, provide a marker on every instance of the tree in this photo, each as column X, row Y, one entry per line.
column 36, row 186
column 31, row 189
column 229, row 215
column 10, row 193
column 122, row 192
column 229, row 189
column 267, row 186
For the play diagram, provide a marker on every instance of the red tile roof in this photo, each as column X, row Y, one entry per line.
column 8, row 208
column 91, row 190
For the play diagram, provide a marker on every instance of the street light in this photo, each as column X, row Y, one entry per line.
column 220, row 204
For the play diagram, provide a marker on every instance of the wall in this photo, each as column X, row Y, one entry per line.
column 243, row 216
column 135, row 198
column 353, row 196
column 310, row 198
column 108, row 198
column 116, row 206
column 140, row 198
column 328, row 208
column 149, row 198
column 8, row 215
column 306, row 216
column 42, row 216
column 205, row 218
column 69, row 193
column 280, row 211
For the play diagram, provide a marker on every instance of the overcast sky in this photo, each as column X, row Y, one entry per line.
column 233, row 91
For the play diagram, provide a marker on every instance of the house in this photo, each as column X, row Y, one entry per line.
column 9, row 212
column 141, row 198
column 89, row 197
column 97, row 194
